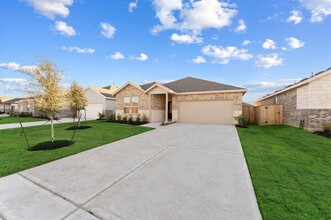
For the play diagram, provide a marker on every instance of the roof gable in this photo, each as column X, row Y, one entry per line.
column 125, row 85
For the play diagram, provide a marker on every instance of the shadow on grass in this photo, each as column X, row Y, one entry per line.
column 323, row 133
column 51, row 145
column 78, row 127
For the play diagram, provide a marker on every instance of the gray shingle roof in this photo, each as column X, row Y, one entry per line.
column 191, row 84
column 147, row 85
column 12, row 101
column 107, row 95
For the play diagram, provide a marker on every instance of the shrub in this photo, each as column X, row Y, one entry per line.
column 101, row 116
column 144, row 119
column 111, row 118
column 138, row 119
column 130, row 120
column 125, row 119
column 25, row 114
column 242, row 119
column 326, row 126
column 119, row 118
column 13, row 113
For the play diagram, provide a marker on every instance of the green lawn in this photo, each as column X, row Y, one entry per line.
column 15, row 157
column 290, row 170
column 10, row 120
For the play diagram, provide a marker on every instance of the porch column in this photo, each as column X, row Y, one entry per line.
column 166, row 109
column 149, row 107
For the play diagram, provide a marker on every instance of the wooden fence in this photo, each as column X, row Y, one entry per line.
column 264, row 115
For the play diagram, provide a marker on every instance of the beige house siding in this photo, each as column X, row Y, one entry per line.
column 315, row 95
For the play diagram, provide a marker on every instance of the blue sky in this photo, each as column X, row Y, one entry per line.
column 259, row 45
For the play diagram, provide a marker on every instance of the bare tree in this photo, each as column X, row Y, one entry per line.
column 47, row 90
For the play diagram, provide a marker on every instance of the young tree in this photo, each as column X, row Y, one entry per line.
column 46, row 90
column 76, row 99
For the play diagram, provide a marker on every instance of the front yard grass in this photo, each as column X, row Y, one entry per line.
column 15, row 157
column 290, row 170
column 10, row 119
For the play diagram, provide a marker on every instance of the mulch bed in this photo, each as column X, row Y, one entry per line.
column 242, row 126
column 323, row 133
column 78, row 127
column 51, row 145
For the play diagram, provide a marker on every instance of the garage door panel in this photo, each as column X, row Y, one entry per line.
column 207, row 112
column 92, row 110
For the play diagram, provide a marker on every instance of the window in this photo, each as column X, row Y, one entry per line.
column 134, row 102
column 131, row 103
column 126, row 104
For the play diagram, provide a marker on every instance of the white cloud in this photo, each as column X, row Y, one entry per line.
column 294, row 43
column 13, row 86
column 296, row 17
column 269, row 44
column 193, row 16
column 199, row 60
column 16, row 67
column 257, row 90
column 117, row 56
column 224, row 55
column 186, row 38
column 107, row 30
column 64, row 29
column 142, row 57
column 132, row 6
column 246, row 42
column 269, row 61
column 78, row 50
column 241, row 26
column 51, row 8
column 319, row 9
column 18, row 81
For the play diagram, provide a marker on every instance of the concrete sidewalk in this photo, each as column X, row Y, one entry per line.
column 180, row 171
column 36, row 123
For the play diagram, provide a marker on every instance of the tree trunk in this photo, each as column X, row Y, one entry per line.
column 79, row 116
column 52, row 128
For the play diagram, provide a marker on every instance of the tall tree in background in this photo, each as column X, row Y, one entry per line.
column 76, row 99
column 46, row 90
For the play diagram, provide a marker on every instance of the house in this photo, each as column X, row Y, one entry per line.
column 188, row 100
column 10, row 105
column 4, row 108
column 100, row 100
column 308, row 101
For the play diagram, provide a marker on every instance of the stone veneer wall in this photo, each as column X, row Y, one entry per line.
column 291, row 115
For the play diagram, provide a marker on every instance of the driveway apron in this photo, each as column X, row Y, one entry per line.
column 179, row 171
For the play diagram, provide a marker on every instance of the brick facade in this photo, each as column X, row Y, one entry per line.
column 292, row 115
column 236, row 97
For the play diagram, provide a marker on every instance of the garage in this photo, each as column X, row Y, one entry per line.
column 206, row 112
column 92, row 110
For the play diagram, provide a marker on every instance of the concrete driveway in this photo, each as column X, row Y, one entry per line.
column 181, row 171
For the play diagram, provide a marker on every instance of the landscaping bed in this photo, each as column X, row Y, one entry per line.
column 15, row 156
column 290, row 170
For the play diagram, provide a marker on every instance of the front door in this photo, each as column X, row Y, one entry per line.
column 170, row 110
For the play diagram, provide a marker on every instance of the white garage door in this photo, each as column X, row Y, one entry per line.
column 92, row 110
column 206, row 112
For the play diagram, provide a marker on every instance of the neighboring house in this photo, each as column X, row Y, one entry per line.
column 188, row 100
column 4, row 107
column 100, row 100
column 11, row 105
column 308, row 100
